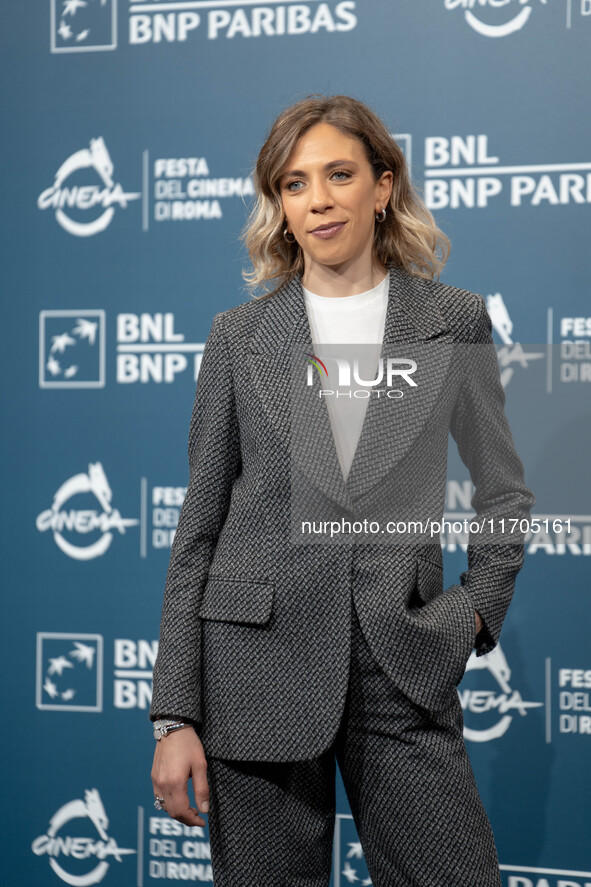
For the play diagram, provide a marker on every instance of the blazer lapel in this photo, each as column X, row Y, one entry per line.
column 278, row 364
column 414, row 330
column 279, row 361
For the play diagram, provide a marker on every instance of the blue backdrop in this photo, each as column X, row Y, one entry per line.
column 130, row 133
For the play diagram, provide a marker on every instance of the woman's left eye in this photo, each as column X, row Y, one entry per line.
column 342, row 172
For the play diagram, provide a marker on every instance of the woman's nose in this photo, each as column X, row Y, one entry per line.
column 320, row 197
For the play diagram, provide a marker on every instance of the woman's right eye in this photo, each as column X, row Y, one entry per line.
column 289, row 184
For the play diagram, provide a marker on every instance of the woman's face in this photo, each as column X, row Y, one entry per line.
column 330, row 197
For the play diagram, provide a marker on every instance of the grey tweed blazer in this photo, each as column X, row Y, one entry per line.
column 256, row 621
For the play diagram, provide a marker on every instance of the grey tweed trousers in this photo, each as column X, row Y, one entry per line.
column 410, row 786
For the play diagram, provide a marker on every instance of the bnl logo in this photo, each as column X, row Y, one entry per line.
column 349, row 866
column 69, row 672
column 72, row 349
column 83, row 25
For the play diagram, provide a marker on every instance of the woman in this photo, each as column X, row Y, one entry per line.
column 283, row 651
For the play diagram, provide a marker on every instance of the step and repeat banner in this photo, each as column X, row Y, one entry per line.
column 131, row 128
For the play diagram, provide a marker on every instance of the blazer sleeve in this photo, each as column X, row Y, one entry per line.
column 480, row 428
column 214, row 463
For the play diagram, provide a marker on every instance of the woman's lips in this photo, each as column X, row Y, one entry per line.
column 327, row 233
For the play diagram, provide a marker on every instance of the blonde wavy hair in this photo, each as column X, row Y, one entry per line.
column 408, row 238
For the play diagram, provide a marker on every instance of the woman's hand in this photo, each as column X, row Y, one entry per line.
column 178, row 758
column 478, row 621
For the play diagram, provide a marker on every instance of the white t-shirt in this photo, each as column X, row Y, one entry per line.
column 348, row 321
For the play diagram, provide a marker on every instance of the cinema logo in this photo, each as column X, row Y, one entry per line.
column 71, row 853
column 82, row 207
column 391, row 369
column 73, row 515
column 506, row 17
column 489, row 710
column 511, row 354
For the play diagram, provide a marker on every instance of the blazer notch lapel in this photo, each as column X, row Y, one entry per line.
column 415, row 330
column 296, row 411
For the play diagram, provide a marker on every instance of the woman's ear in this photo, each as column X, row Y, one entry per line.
column 386, row 184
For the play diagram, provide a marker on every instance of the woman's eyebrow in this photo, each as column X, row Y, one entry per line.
column 326, row 167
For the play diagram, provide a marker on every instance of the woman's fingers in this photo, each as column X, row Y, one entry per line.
column 178, row 806
column 174, row 800
column 177, row 758
column 200, row 784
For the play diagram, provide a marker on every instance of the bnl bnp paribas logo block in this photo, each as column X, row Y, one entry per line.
column 69, row 672
column 83, row 25
column 72, row 346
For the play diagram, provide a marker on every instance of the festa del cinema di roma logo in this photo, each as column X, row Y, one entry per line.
column 56, row 845
column 72, row 202
column 489, row 711
column 504, row 21
column 82, row 521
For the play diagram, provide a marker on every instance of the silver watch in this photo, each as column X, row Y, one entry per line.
column 165, row 726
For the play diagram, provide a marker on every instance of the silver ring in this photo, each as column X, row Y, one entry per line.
column 158, row 803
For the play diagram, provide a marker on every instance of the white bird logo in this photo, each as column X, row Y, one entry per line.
column 83, row 653
column 70, row 6
column 349, row 873
column 86, row 329
column 61, row 342
column 50, row 688
column 57, row 665
column 53, row 366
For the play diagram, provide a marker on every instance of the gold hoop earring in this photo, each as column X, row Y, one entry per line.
column 381, row 216
column 287, row 235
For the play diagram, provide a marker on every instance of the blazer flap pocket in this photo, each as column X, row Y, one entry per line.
column 429, row 579
column 237, row 600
